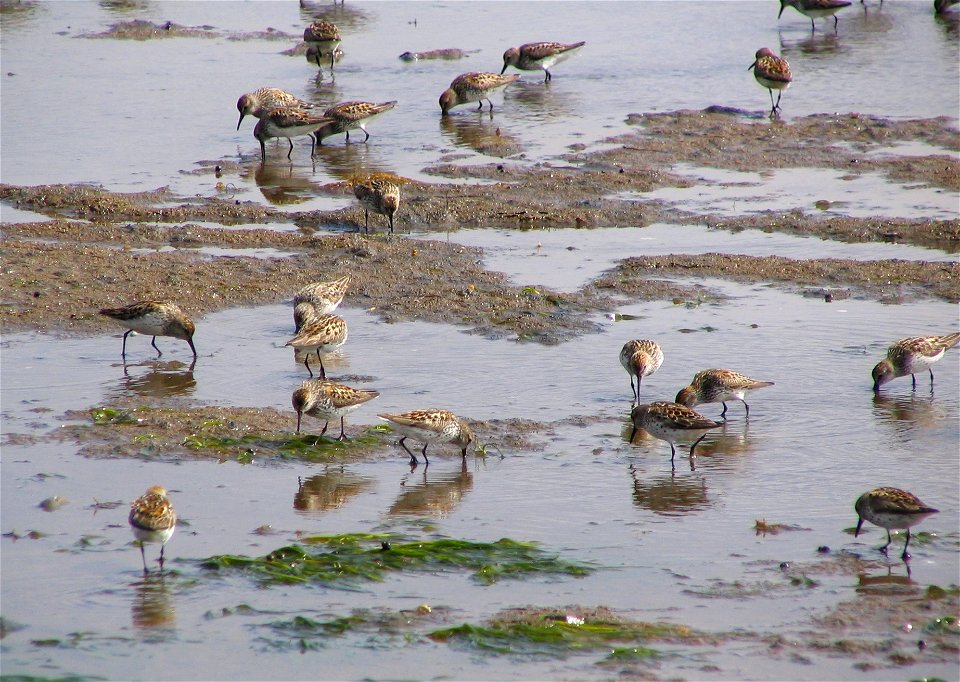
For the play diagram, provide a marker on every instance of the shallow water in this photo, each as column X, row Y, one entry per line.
column 666, row 542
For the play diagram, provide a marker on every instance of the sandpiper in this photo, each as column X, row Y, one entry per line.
column 908, row 356
column 473, row 87
column 348, row 116
column 152, row 520
column 539, row 56
column 891, row 508
column 263, row 100
column 379, row 193
column 323, row 334
column 318, row 298
column 430, row 426
column 641, row 358
column 323, row 37
column 773, row 73
column 153, row 318
column 815, row 9
column 288, row 123
column 719, row 386
column 670, row 421
column 327, row 400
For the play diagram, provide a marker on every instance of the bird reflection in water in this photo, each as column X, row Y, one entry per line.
column 329, row 490
column 480, row 134
column 163, row 379
column 286, row 183
column 817, row 45
column 152, row 608
column 435, row 495
column 907, row 412
column 886, row 583
column 728, row 444
column 668, row 495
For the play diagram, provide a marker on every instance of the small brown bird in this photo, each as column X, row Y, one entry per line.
column 379, row 193
column 289, row 123
column 641, row 358
column 473, row 87
column 322, row 37
column 153, row 318
column 773, row 73
column 908, row 356
column 670, row 421
column 262, row 100
column 719, row 386
column 152, row 520
column 318, row 298
column 815, row 9
column 539, row 56
column 348, row 116
column 891, row 508
column 323, row 334
column 430, row 426
column 327, row 400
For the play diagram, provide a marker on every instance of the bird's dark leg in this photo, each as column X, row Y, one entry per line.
column 695, row 444
column 724, row 413
column 413, row 459
column 290, row 140
column 914, row 377
column 263, row 152
column 161, row 558
column 343, row 436
column 836, row 22
column 306, row 363
column 366, row 221
column 324, row 429
column 906, row 554
column 633, row 433
column 548, row 77
column 123, row 349
column 480, row 108
column 673, row 453
column 144, row 557
column 323, row 372
column 889, row 540
column 348, row 135
column 153, row 342
column 365, row 133
column 390, row 218
column 813, row 27
column 633, row 391
column 313, row 145
column 746, row 406
column 426, row 462
column 930, row 369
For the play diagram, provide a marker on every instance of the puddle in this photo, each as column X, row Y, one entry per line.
column 730, row 193
column 566, row 259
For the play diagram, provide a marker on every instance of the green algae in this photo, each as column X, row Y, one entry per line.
column 369, row 557
column 556, row 632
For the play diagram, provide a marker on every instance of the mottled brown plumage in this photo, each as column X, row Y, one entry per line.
column 641, row 358
column 430, row 426
column 327, row 400
column 773, row 73
column 152, row 519
column 912, row 355
column 719, row 386
column 153, row 318
column 323, row 334
column 473, row 87
column 670, row 421
column 539, row 56
column 891, row 508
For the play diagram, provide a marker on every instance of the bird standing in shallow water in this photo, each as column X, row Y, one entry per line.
column 473, row 87
column 539, row 56
column 323, row 334
column 670, row 421
column 152, row 520
column 908, row 356
column 263, row 100
column 348, row 116
column 815, row 9
column 641, row 358
column 891, row 508
column 322, row 37
column 719, row 386
column 153, row 318
column 288, row 123
column 773, row 73
column 318, row 298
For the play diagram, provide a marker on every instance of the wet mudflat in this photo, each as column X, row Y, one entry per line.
column 557, row 548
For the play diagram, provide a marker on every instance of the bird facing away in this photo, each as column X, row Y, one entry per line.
column 153, row 318
column 262, row 100
column 323, row 334
column 539, row 56
column 719, row 386
column 891, row 508
column 348, row 116
column 379, row 193
column 318, row 298
column 473, row 87
column 773, row 73
column 670, row 421
column 908, row 356
column 289, row 123
column 430, row 426
column 152, row 519
column 815, row 9
column 327, row 400
column 641, row 358
column 322, row 37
